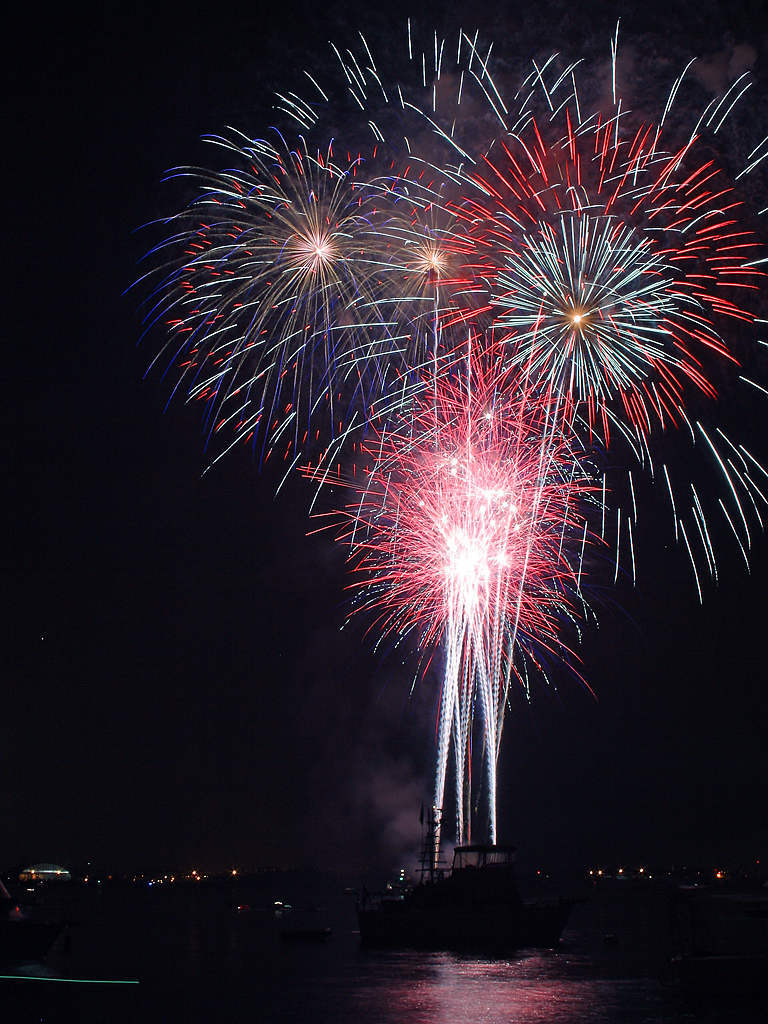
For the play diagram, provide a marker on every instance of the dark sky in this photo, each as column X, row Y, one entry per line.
column 177, row 688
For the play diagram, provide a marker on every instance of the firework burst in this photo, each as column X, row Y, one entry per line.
column 270, row 295
column 597, row 270
column 612, row 263
column 469, row 531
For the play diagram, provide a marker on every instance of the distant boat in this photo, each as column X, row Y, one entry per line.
column 305, row 934
column 301, row 923
column 720, row 941
column 26, row 934
column 742, row 974
column 476, row 904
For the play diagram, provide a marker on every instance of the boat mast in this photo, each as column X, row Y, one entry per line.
column 429, row 860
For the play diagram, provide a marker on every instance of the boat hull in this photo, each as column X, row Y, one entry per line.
column 26, row 940
column 400, row 924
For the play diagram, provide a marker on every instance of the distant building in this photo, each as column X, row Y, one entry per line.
column 44, row 873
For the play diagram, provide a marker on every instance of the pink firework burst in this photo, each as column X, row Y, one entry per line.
column 467, row 502
column 468, row 529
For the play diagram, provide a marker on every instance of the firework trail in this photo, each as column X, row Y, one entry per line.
column 467, row 531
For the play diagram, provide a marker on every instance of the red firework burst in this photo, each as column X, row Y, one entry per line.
column 609, row 262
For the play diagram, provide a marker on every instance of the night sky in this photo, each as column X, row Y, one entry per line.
column 178, row 690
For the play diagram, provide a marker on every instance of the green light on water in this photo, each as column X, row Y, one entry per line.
column 70, row 981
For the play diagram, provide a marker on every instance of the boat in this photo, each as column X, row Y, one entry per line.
column 320, row 934
column 301, row 923
column 727, row 974
column 476, row 903
column 26, row 933
column 720, row 941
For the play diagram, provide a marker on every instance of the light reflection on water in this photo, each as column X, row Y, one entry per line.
column 538, row 987
column 543, row 988
column 212, row 967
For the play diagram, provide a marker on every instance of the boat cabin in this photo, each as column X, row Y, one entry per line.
column 483, row 856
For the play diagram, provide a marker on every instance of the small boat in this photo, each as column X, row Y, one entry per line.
column 720, row 941
column 305, row 934
column 476, row 904
column 26, row 933
column 720, row 974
